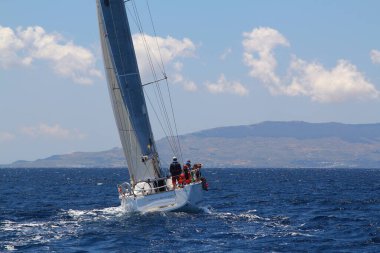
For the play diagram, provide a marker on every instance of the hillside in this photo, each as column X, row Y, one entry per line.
column 268, row 144
column 110, row 158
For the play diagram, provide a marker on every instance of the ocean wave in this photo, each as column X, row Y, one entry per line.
column 96, row 214
column 16, row 235
column 246, row 216
column 67, row 223
column 266, row 215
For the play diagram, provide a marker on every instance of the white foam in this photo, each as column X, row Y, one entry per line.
column 206, row 209
column 242, row 216
column 96, row 214
column 27, row 233
column 300, row 234
column 10, row 247
column 39, row 232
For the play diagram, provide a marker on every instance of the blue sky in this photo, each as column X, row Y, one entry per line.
column 228, row 63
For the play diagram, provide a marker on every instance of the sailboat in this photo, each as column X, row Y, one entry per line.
column 149, row 189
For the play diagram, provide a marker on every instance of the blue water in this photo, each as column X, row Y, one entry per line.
column 246, row 210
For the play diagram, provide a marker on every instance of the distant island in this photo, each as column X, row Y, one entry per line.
column 269, row 144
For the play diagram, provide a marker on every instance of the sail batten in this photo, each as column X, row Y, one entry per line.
column 125, row 88
column 129, row 74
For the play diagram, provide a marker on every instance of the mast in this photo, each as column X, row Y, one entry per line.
column 126, row 92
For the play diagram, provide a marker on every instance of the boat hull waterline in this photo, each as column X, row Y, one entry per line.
column 187, row 198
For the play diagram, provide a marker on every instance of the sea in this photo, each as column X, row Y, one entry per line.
column 245, row 210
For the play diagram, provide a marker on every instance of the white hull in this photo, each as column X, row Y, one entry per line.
column 181, row 199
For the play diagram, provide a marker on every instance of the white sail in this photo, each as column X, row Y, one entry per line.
column 134, row 126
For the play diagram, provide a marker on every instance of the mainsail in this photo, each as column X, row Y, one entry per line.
column 125, row 89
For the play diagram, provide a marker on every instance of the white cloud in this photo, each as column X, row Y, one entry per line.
column 10, row 44
column 171, row 51
column 5, row 136
column 24, row 46
column 375, row 56
column 343, row 82
column 225, row 86
column 187, row 85
column 178, row 66
column 54, row 131
column 170, row 48
column 190, row 85
column 226, row 52
column 259, row 45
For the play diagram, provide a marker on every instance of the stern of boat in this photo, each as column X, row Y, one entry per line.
column 186, row 198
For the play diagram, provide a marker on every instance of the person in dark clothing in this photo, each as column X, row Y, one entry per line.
column 188, row 163
column 175, row 171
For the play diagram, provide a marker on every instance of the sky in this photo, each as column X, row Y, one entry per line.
column 228, row 63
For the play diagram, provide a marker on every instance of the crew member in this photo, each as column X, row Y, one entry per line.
column 186, row 172
column 188, row 163
column 197, row 168
column 175, row 171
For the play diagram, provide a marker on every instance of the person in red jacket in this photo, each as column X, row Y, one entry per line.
column 186, row 172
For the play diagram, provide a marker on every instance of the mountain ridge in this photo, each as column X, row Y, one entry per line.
column 299, row 130
column 291, row 144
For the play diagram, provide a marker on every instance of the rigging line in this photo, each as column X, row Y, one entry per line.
column 168, row 126
column 171, row 136
column 163, row 129
column 156, row 81
column 167, row 117
column 155, row 36
column 131, row 15
column 162, row 107
column 159, row 96
column 162, row 110
column 175, row 122
column 155, row 112
column 160, row 122
column 171, row 143
column 163, row 66
column 138, row 24
column 165, row 113
column 158, row 48
column 147, row 48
